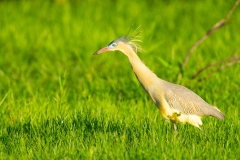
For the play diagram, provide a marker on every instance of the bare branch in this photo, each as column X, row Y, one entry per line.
column 221, row 68
column 217, row 26
column 231, row 59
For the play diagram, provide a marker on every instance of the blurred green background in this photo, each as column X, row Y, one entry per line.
column 58, row 101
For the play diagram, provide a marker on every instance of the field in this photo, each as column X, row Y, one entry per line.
column 58, row 101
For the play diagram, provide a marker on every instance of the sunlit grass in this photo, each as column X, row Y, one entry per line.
column 57, row 101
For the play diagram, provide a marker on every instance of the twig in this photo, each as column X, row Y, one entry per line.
column 231, row 59
column 217, row 26
column 221, row 68
column 227, row 62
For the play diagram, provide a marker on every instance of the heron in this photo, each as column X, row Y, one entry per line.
column 176, row 103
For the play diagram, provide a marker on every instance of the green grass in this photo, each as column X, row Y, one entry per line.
column 57, row 101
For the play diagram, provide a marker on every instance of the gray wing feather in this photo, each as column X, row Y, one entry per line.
column 188, row 102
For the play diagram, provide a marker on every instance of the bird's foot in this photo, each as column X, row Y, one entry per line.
column 175, row 127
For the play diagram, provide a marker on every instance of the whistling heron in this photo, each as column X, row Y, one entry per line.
column 175, row 102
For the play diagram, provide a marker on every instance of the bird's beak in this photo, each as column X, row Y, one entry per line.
column 105, row 49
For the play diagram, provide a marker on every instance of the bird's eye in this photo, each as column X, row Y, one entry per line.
column 112, row 45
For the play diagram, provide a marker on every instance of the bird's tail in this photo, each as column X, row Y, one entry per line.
column 215, row 112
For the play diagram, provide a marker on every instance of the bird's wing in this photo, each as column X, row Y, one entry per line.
column 188, row 102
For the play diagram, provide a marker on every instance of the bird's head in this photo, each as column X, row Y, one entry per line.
column 122, row 44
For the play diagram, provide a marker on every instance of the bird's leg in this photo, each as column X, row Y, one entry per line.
column 175, row 127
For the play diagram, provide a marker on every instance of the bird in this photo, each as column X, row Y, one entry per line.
column 176, row 103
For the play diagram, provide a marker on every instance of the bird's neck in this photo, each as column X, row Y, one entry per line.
column 145, row 76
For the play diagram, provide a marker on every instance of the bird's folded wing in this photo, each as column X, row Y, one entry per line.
column 184, row 106
column 188, row 102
